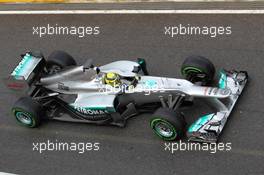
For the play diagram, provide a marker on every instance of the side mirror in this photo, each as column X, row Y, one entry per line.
column 143, row 65
column 88, row 64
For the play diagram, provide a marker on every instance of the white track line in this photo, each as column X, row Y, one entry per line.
column 131, row 12
column 3, row 173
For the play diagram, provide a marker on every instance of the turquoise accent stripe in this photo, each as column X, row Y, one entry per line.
column 200, row 122
column 150, row 83
column 222, row 80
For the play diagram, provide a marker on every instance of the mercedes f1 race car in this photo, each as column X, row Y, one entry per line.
column 57, row 88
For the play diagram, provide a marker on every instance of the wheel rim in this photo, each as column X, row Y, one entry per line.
column 24, row 118
column 164, row 129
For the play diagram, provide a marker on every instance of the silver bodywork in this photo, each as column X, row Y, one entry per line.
column 94, row 94
column 90, row 86
column 95, row 97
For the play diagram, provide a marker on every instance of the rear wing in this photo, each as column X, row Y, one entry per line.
column 25, row 72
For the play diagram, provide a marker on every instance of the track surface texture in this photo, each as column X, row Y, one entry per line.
column 135, row 149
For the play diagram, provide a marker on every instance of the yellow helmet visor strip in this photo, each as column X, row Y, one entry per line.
column 112, row 79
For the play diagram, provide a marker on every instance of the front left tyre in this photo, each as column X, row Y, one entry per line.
column 27, row 112
column 168, row 124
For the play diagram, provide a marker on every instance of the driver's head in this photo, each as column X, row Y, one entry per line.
column 112, row 79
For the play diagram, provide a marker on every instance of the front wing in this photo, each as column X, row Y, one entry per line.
column 208, row 127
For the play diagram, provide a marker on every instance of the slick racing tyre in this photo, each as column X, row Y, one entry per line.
column 168, row 124
column 58, row 60
column 198, row 69
column 27, row 112
column 37, row 54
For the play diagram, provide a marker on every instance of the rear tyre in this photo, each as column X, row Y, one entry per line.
column 168, row 124
column 37, row 54
column 198, row 69
column 27, row 112
column 58, row 60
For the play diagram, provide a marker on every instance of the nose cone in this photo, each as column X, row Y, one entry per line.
column 225, row 92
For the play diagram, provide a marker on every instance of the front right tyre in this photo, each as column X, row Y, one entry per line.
column 198, row 69
column 27, row 112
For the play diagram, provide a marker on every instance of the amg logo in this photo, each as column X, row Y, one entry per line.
column 89, row 111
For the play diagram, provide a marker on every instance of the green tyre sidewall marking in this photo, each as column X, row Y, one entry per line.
column 16, row 110
column 157, row 120
column 187, row 69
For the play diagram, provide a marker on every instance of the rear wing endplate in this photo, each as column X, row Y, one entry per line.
column 25, row 73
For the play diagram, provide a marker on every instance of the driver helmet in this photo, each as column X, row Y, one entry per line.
column 112, row 79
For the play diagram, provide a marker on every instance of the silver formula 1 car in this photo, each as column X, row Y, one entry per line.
column 57, row 88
